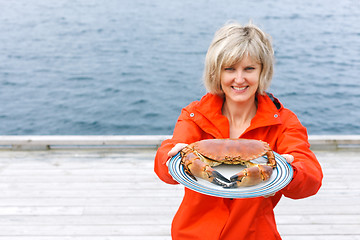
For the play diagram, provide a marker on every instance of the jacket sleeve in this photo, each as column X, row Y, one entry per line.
column 185, row 131
column 308, row 174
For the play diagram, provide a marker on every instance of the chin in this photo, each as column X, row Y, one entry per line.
column 240, row 98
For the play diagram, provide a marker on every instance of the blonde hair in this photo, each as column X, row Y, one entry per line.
column 230, row 44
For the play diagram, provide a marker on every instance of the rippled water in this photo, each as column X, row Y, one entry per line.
column 128, row 67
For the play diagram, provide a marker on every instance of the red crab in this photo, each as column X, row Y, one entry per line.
column 199, row 157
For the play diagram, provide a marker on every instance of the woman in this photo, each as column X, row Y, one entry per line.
column 238, row 70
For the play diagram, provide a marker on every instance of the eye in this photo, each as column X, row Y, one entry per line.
column 229, row 69
column 249, row 68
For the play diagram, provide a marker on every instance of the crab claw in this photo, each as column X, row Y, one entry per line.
column 250, row 176
column 217, row 178
column 198, row 168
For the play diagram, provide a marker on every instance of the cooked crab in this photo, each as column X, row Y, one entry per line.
column 199, row 157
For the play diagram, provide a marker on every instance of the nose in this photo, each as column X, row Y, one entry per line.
column 239, row 76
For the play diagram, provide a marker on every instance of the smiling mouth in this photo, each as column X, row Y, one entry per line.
column 239, row 88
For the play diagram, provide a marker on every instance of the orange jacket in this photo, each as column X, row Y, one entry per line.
column 205, row 217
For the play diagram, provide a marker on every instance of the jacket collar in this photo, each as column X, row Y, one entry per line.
column 267, row 113
column 209, row 116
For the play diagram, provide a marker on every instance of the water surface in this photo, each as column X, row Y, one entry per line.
column 128, row 67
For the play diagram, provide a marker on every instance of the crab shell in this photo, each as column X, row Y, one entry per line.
column 233, row 151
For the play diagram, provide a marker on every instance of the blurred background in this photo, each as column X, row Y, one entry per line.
column 117, row 67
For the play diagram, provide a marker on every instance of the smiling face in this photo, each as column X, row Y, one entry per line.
column 232, row 43
column 240, row 81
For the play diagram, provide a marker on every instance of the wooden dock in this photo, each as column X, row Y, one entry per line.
column 107, row 190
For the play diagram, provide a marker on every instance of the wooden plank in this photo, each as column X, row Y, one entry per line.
column 321, row 237
column 6, row 220
column 169, row 200
column 47, row 142
column 104, row 237
column 147, row 141
column 334, row 141
column 319, row 229
column 81, row 201
column 37, row 220
column 157, row 230
column 40, row 210
column 86, row 230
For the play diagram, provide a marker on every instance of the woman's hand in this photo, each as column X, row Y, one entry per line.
column 289, row 158
column 177, row 148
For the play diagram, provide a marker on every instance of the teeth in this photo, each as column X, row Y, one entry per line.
column 239, row 88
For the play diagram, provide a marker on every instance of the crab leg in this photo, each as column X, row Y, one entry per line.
column 195, row 167
column 271, row 158
column 250, row 176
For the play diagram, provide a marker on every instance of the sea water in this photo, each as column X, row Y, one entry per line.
column 111, row 67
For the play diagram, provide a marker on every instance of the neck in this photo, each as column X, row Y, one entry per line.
column 239, row 115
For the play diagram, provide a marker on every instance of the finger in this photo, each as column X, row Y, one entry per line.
column 269, row 195
column 289, row 158
column 167, row 164
column 178, row 147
